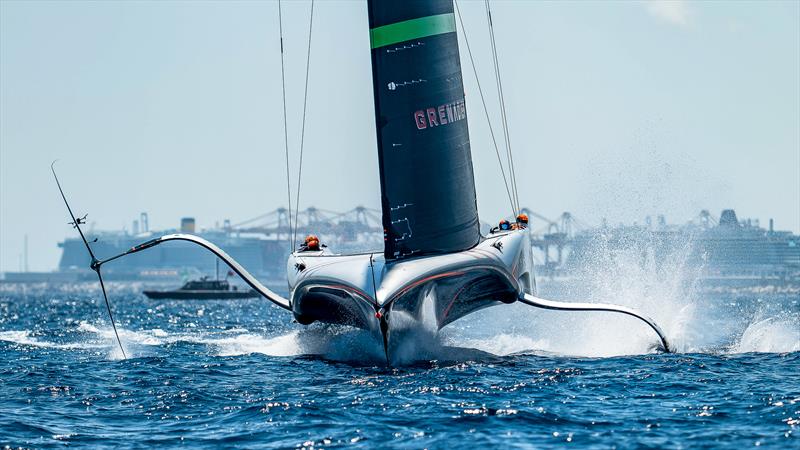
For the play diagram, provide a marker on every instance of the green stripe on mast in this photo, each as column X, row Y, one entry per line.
column 412, row 29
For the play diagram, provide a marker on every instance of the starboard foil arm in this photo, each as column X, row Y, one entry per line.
column 569, row 306
column 235, row 266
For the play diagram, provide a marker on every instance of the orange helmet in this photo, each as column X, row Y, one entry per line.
column 312, row 242
column 522, row 218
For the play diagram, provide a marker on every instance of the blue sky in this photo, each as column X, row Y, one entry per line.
column 616, row 110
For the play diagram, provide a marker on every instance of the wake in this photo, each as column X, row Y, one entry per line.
column 477, row 338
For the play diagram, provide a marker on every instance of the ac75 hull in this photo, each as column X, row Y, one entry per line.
column 397, row 299
column 404, row 298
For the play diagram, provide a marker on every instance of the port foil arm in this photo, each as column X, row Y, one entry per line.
column 77, row 222
column 570, row 306
column 235, row 266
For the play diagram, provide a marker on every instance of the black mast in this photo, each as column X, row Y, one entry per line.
column 427, row 182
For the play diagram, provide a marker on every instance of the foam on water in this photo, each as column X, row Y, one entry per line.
column 505, row 344
column 771, row 335
column 336, row 343
column 26, row 337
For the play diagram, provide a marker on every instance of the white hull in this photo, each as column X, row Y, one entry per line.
column 365, row 291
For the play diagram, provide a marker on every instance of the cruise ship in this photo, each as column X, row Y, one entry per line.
column 262, row 245
column 727, row 252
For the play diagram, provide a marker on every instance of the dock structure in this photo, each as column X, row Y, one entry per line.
column 342, row 226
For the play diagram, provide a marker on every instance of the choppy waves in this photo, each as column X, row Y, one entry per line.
column 242, row 375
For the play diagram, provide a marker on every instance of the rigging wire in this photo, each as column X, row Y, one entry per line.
column 303, row 126
column 486, row 110
column 503, row 115
column 285, row 131
column 95, row 264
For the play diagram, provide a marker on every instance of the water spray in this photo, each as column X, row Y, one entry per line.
column 569, row 306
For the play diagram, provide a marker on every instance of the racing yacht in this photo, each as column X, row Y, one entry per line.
column 436, row 266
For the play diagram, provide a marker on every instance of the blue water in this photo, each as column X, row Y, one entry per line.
column 211, row 374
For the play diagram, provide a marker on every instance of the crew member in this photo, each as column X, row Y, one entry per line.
column 310, row 244
column 504, row 225
column 522, row 222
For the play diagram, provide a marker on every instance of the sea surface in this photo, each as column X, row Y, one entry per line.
column 241, row 374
